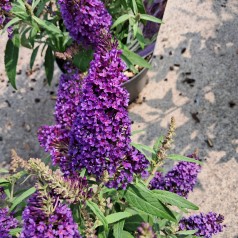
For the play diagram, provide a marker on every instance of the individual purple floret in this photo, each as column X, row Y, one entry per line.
column 207, row 224
column 85, row 19
column 7, row 222
column 59, row 224
column 68, row 97
column 100, row 136
column 145, row 231
column 180, row 180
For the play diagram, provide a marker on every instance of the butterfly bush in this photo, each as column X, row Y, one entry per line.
column 84, row 19
column 91, row 136
column 207, row 224
column 180, row 180
column 58, row 224
column 100, row 135
column 7, row 222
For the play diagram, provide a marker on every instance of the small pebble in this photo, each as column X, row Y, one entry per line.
column 37, row 100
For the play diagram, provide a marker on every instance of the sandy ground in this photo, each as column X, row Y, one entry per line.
column 194, row 79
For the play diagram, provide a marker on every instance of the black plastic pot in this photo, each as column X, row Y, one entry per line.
column 135, row 85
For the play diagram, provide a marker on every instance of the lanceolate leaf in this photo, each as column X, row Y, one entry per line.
column 136, row 59
column 144, row 200
column 174, row 199
column 120, row 20
column 49, row 64
column 23, row 196
column 50, row 27
column 183, row 158
column 150, row 18
column 11, row 58
column 33, row 56
column 118, row 228
column 96, row 210
column 15, row 231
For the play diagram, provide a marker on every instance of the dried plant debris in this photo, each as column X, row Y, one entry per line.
column 189, row 81
column 195, row 117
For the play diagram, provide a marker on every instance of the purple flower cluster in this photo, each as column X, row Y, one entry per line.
column 5, row 7
column 180, row 180
column 85, row 19
column 100, row 136
column 58, row 224
column 207, row 224
column 145, row 231
column 55, row 139
column 7, row 222
column 68, row 97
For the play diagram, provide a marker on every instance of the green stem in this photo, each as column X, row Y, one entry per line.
column 147, row 182
column 12, row 191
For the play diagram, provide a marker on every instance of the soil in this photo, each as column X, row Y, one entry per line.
column 194, row 79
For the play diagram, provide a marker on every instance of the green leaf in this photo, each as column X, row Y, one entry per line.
column 133, row 222
column 15, row 231
column 96, row 210
column 189, row 232
column 24, row 40
column 150, row 18
column 49, row 64
column 23, row 196
column 50, row 27
column 174, row 199
column 118, row 228
column 11, row 58
column 140, row 5
column 134, row 5
column 115, row 217
column 10, row 23
column 16, row 40
column 135, row 29
column 3, row 180
column 137, row 132
column 136, row 59
column 144, row 147
column 83, row 59
column 144, row 200
column 183, row 158
column 120, row 20
column 33, row 56
column 2, row 170
column 34, row 4
column 6, row 187
column 126, row 234
column 158, row 143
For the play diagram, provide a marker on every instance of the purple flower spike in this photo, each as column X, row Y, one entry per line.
column 85, row 19
column 180, row 180
column 100, row 137
column 7, row 222
column 207, row 224
column 58, row 224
